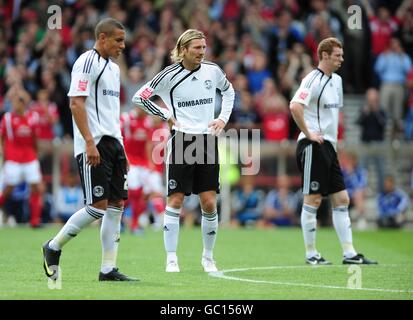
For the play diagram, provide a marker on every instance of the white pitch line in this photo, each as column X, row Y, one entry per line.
column 221, row 275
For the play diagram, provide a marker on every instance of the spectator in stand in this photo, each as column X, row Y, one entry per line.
column 135, row 78
column 57, row 94
column 355, row 179
column 408, row 120
column 240, row 85
column 275, row 113
column 18, row 139
column 81, row 43
column 392, row 67
column 411, row 183
column 392, row 203
column 321, row 8
column 291, row 6
column 258, row 72
column 318, row 29
column 298, row 63
column 268, row 97
column 247, row 203
column 281, row 205
column 244, row 116
column 406, row 32
column 372, row 121
column 45, row 116
column 255, row 22
column 281, row 39
column 382, row 25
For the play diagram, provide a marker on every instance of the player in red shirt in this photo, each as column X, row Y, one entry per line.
column 136, row 131
column 276, row 126
column 19, row 152
column 154, row 188
column 45, row 115
column 383, row 24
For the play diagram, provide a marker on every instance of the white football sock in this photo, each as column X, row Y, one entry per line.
column 209, row 227
column 342, row 224
column 110, row 237
column 171, row 231
column 309, row 228
column 74, row 225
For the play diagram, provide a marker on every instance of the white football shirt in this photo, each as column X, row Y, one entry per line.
column 322, row 96
column 188, row 95
column 99, row 80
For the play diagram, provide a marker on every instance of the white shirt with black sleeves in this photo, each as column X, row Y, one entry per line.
column 322, row 96
column 99, row 80
column 188, row 95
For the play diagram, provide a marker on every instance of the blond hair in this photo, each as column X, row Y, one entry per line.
column 327, row 45
column 183, row 42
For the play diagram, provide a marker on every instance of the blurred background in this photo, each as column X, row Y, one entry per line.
column 265, row 47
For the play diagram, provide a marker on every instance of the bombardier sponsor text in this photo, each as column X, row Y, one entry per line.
column 193, row 103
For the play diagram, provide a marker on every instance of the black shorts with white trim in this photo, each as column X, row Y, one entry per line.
column 192, row 163
column 319, row 166
column 108, row 179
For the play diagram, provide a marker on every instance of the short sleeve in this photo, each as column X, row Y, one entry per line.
column 306, row 89
column 303, row 96
column 83, row 75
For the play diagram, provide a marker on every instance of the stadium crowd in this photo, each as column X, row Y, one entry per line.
column 265, row 48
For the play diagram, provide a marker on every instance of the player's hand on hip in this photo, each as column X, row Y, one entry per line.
column 316, row 137
column 93, row 156
column 217, row 126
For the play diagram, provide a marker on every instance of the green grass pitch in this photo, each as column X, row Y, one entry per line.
column 256, row 265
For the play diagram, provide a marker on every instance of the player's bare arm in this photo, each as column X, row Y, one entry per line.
column 77, row 106
column 297, row 111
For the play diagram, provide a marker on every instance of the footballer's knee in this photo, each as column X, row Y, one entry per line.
column 208, row 204
column 340, row 199
column 117, row 204
column 102, row 204
column 175, row 200
column 209, row 207
column 313, row 200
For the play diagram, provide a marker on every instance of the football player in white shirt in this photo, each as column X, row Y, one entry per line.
column 315, row 108
column 94, row 102
column 188, row 88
